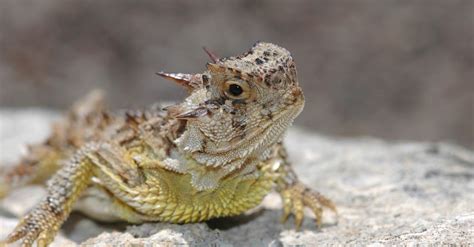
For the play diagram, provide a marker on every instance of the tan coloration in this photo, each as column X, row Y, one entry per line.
column 190, row 82
column 218, row 153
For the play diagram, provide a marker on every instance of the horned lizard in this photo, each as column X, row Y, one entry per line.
column 216, row 154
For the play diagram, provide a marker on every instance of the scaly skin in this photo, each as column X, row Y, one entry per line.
column 216, row 154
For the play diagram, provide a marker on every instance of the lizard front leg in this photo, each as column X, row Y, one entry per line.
column 44, row 220
column 296, row 196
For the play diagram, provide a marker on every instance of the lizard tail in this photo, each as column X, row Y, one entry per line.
column 43, row 160
column 35, row 168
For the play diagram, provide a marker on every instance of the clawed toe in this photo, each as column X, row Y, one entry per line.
column 38, row 225
column 297, row 197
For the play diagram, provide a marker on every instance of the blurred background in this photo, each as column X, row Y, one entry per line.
column 392, row 69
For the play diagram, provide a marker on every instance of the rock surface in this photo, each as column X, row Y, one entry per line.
column 386, row 192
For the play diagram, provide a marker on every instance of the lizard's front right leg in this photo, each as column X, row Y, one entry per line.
column 44, row 220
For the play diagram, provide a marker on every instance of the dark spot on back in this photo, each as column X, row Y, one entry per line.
column 259, row 61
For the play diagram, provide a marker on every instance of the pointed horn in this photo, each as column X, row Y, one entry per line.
column 214, row 58
column 184, row 80
column 196, row 113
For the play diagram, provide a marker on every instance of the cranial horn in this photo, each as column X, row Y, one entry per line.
column 214, row 58
column 195, row 113
column 188, row 81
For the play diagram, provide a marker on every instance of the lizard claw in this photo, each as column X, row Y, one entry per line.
column 40, row 224
column 296, row 197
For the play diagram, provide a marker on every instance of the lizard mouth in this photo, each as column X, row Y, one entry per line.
column 279, row 122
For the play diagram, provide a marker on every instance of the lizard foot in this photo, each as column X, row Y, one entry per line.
column 40, row 224
column 298, row 196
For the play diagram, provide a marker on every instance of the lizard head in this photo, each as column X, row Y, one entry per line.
column 242, row 103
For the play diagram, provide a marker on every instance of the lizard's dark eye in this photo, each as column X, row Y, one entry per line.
column 235, row 90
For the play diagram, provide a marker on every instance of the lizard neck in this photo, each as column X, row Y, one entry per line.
column 231, row 154
column 192, row 154
column 208, row 169
column 209, row 159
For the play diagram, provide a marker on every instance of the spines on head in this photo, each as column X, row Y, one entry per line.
column 189, row 81
column 240, row 97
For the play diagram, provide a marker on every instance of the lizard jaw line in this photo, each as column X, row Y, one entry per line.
column 292, row 112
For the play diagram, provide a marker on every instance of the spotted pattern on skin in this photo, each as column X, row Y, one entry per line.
column 267, row 61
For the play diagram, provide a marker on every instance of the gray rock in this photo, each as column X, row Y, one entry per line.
column 386, row 192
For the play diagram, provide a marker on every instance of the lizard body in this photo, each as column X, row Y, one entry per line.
column 218, row 153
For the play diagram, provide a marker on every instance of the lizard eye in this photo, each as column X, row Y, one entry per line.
column 236, row 90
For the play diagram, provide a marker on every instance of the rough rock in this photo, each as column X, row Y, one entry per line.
column 386, row 192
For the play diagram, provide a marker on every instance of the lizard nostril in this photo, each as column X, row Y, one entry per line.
column 296, row 92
